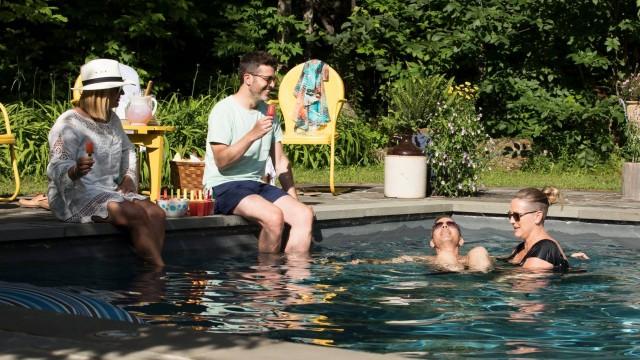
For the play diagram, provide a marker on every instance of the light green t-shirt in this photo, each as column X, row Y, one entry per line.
column 228, row 123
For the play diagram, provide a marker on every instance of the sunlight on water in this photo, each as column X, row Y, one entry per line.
column 406, row 308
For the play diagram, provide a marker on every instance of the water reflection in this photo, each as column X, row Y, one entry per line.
column 257, row 298
column 521, row 285
column 528, row 305
column 148, row 286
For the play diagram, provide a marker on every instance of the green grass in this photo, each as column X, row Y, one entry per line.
column 28, row 186
column 605, row 179
column 343, row 175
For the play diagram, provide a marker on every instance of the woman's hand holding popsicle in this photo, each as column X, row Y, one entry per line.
column 83, row 163
column 82, row 167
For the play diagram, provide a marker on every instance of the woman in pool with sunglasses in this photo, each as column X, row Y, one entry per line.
column 538, row 250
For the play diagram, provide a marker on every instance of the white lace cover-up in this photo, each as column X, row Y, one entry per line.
column 114, row 158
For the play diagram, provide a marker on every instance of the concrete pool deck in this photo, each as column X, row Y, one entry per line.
column 30, row 233
column 362, row 203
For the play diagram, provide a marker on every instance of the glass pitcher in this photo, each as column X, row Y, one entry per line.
column 141, row 109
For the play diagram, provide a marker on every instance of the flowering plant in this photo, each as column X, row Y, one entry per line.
column 445, row 113
column 629, row 88
column 458, row 153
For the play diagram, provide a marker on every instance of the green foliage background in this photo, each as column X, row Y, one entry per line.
column 545, row 68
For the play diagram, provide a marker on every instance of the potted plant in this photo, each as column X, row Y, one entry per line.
column 628, row 91
column 413, row 102
column 631, row 168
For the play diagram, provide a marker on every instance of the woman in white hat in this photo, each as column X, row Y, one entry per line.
column 92, row 167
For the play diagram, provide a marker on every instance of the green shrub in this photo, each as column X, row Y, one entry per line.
column 190, row 117
column 356, row 144
column 557, row 120
column 413, row 102
column 31, row 125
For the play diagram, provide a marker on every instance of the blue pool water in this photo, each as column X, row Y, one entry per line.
column 398, row 308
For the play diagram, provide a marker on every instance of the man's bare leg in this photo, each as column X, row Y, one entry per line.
column 270, row 218
column 300, row 217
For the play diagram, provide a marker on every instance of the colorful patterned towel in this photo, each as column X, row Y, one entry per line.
column 311, row 104
column 61, row 301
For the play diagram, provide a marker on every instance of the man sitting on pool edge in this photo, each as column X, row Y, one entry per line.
column 446, row 240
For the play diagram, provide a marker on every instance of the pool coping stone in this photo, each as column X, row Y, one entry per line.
column 33, row 334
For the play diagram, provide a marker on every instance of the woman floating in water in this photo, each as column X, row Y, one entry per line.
column 538, row 250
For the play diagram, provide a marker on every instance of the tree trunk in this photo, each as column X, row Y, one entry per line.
column 284, row 9
column 307, row 15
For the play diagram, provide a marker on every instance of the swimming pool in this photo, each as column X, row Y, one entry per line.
column 399, row 308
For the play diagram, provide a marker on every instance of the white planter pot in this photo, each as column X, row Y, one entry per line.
column 405, row 176
column 631, row 181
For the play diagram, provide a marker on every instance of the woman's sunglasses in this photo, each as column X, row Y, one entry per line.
column 516, row 216
column 449, row 223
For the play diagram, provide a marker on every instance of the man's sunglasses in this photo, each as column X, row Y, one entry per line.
column 449, row 223
column 268, row 79
column 516, row 216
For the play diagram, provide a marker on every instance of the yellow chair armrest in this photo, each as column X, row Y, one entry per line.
column 7, row 139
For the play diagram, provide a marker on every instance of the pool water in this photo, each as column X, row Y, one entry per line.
column 409, row 309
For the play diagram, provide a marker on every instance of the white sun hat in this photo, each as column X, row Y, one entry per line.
column 100, row 74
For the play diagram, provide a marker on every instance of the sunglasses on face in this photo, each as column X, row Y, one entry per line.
column 449, row 223
column 268, row 79
column 516, row 216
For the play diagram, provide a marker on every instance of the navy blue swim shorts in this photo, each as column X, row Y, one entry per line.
column 228, row 195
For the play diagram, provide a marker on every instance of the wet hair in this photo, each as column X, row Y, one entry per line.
column 539, row 199
column 250, row 62
column 97, row 103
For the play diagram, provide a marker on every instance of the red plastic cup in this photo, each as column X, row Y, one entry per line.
column 200, row 207
column 208, row 207
column 193, row 209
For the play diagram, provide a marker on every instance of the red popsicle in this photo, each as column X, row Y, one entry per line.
column 88, row 147
column 271, row 110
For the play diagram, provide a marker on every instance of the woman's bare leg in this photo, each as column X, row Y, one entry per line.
column 158, row 220
column 143, row 235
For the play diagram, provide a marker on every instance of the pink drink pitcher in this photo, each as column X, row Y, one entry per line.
column 141, row 109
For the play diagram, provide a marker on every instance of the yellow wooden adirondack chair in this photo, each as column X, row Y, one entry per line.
column 10, row 139
column 334, row 93
column 76, row 91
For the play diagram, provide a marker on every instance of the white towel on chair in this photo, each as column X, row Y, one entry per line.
column 270, row 172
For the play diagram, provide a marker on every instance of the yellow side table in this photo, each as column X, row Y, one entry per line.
column 151, row 137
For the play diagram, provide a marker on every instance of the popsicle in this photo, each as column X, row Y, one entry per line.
column 271, row 110
column 88, row 147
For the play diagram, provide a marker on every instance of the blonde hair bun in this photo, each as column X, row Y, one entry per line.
column 552, row 193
